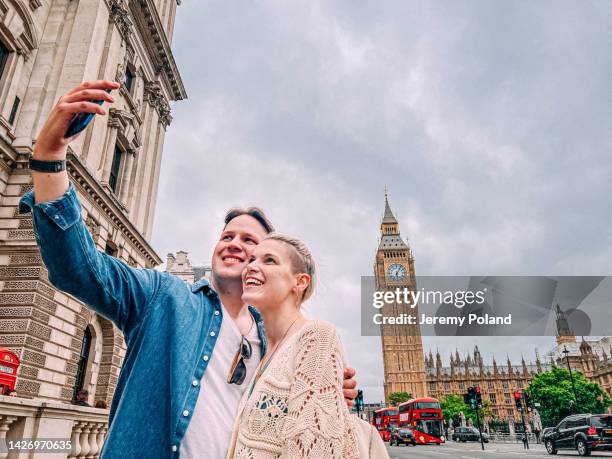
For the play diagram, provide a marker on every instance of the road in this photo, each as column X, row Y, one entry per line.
column 472, row 451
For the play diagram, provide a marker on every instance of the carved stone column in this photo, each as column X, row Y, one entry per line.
column 75, row 439
column 101, row 437
column 5, row 423
column 126, row 175
column 94, row 447
column 111, row 140
column 84, row 440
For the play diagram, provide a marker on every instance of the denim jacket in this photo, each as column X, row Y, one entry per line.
column 170, row 329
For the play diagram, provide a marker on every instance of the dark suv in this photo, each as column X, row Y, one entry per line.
column 469, row 434
column 401, row 436
column 582, row 432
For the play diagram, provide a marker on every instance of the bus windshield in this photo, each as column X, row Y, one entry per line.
column 433, row 428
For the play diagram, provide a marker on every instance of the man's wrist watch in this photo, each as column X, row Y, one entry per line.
column 48, row 166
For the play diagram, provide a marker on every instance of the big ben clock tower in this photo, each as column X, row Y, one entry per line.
column 402, row 346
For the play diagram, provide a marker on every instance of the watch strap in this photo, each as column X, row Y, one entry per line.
column 48, row 166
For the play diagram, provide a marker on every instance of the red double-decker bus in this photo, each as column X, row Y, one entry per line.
column 383, row 420
column 424, row 417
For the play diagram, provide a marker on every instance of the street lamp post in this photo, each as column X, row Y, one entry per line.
column 566, row 352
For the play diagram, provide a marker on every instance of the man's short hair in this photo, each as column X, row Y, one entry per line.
column 254, row 212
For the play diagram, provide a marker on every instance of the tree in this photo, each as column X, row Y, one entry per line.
column 553, row 391
column 452, row 405
column 486, row 411
column 395, row 398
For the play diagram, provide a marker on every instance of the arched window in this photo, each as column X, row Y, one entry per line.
column 83, row 359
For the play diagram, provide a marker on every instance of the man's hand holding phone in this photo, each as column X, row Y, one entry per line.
column 70, row 115
column 78, row 105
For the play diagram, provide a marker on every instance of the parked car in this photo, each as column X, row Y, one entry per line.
column 469, row 434
column 401, row 436
column 582, row 432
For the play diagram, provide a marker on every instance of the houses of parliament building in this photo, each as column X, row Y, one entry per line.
column 408, row 369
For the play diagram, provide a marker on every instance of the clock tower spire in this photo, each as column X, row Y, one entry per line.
column 389, row 224
column 402, row 345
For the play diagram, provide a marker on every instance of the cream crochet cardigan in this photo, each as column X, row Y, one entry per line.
column 297, row 409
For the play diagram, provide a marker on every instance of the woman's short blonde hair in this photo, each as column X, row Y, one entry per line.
column 301, row 260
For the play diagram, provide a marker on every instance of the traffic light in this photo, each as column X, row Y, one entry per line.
column 478, row 395
column 517, row 400
column 527, row 399
column 359, row 400
column 472, row 397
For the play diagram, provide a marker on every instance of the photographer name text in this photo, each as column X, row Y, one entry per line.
column 471, row 319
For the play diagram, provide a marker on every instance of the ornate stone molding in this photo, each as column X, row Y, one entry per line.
column 93, row 227
column 118, row 118
column 23, row 53
column 155, row 97
column 120, row 15
column 119, row 74
column 127, row 126
column 21, row 28
column 154, row 36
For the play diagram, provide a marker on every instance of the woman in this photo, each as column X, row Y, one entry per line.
column 294, row 407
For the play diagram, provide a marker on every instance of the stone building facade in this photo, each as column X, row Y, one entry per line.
column 498, row 382
column 179, row 265
column 592, row 358
column 47, row 47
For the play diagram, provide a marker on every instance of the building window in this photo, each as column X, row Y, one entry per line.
column 129, row 79
column 82, row 367
column 505, row 384
column 461, row 386
column 13, row 114
column 493, row 398
column 490, row 385
column 113, row 180
column 4, row 53
column 111, row 249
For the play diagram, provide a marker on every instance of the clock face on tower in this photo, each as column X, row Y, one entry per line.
column 396, row 272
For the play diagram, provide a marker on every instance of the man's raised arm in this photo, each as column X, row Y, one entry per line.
column 107, row 285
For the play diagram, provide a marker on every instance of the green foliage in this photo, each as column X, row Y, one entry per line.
column 553, row 390
column 486, row 411
column 395, row 398
column 452, row 405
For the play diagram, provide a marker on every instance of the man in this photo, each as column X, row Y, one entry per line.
column 81, row 398
column 170, row 329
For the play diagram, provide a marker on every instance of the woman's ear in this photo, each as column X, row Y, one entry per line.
column 302, row 282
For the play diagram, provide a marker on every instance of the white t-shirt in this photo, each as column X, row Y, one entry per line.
column 210, row 430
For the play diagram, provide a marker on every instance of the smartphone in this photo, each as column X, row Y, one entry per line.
column 81, row 120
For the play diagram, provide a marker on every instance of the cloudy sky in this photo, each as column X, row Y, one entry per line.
column 488, row 121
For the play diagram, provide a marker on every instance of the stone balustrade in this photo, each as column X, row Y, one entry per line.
column 42, row 420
